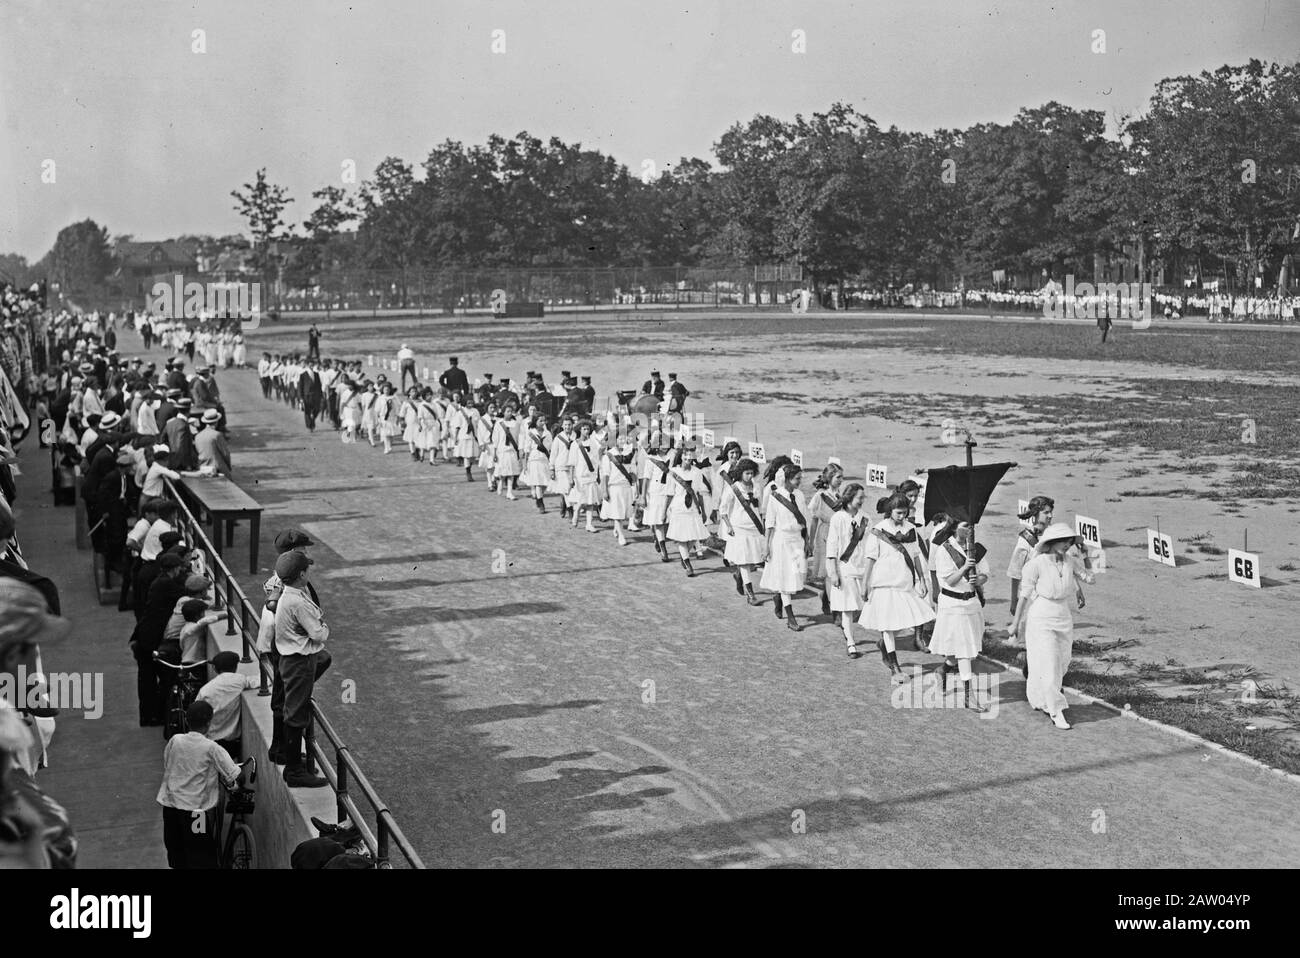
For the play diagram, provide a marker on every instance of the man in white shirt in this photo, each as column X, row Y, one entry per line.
column 300, row 635
column 406, row 360
column 225, row 694
column 194, row 767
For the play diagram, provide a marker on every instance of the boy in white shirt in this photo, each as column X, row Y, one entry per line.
column 225, row 694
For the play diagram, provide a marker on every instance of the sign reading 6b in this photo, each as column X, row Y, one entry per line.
column 1243, row 567
column 498, row 302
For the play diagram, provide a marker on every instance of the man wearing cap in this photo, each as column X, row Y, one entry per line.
column 486, row 391
column 176, row 379
column 588, row 393
column 654, row 385
column 300, row 636
column 290, row 540
column 180, row 441
column 312, row 393
column 211, row 446
column 454, row 380
column 166, row 409
column 313, row 343
column 677, row 394
column 163, row 593
column 205, row 393
column 406, row 362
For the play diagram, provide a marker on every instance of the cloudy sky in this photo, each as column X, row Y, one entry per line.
column 148, row 137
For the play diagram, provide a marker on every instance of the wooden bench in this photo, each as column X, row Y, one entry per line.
column 225, row 502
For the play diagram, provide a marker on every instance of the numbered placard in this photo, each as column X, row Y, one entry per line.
column 1243, row 567
column 1022, row 506
column 796, row 456
column 877, row 475
column 1160, row 548
column 708, row 437
column 756, row 452
column 1089, row 530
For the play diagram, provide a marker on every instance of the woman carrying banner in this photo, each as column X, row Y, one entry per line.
column 738, row 512
column 787, row 541
column 1036, row 517
column 685, row 508
column 846, row 536
column 1048, row 582
column 959, row 627
column 824, row 503
column 895, row 577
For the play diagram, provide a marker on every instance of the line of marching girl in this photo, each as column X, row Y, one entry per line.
column 888, row 573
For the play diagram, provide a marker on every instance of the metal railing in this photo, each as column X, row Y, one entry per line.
column 344, row 774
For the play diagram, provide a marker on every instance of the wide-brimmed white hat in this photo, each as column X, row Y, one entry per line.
column 1055, row 533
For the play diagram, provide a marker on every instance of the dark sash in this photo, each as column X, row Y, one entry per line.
column 469, row 425
column 826, row 499
column 959, row 558
column 789, row 504
column 586, row 456
column 859, row 530
column 663, row 468
column 510, row 437
column 691, row 497
column 1030, row 536
column 537, row 441
column 897, row 543
column 704, row 477
column 744, row 503
column 621, row 468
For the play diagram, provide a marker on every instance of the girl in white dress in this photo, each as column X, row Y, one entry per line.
column 739, row 512
column 959, row 624
column 348, row 411
column 386, row 414
column 465, row 425
column 410, row 415
column 505, row 448
column 1036, row 517
column 537, row 449
column 584, row 473
column 486, row 435
column 726, row 462
column 1047, row 584
column 845, row 563
column 366, row 403
column 825, row 500
column 896, row 579
column 787, row 542
column 685, row 508
column 617, row 480
column 447, row 436
column 427, row 428
column 239, row 352
column 560, row 482
column 655, row 491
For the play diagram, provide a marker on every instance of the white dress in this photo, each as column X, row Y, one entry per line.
column 411, row 415
column 657, row 491
column 586, row 488
column 538, row 471
column 847, row 598
column 466, row 434
column 684, row 521
column 959, row 625
column 485, row 431
column 560, row 444
column 1049, row 588
column 748, row 546
column 893, row 604
column 507, row 454
column 787, row 567
column 619, row 504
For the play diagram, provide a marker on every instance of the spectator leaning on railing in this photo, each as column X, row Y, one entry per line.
column 300, row 635
column 224, row 693
column 194, row 767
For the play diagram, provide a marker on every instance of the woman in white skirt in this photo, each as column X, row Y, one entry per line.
column 485, row 434
column 825, row 500
column 348, row 411
column 584, row 474
column 787, row 542
column 685, row 507
column 739, row 513
column 366, row 403
column 465, row 425
column 655, row 491
column 560, row 482
column 1036, row 517
column 409, row 412
column 617, row 482
column 896, row 579
column 846, row 542
column 537, row 449
column 428, row 428
column 1047, row 584
column 731, row 454
column 959, row 625
column 240, row 351
column 386, row 414
column 505, row 450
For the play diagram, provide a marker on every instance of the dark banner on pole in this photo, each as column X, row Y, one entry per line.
column 966, row 486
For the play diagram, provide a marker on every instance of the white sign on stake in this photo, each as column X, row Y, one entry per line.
column 1022, row 505
column 796, row 457
column 1243, row 567
column 1089, row 530
column 756, row 452
column 708, row 437
column 370, row 360
column 1160, row 548
column 876, row 475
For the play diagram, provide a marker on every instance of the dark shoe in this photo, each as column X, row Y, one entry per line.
column 469, row 476
column 919, row 640
column 777, row 609
column 740, row 583
column 899, row 677
column 659, row 546
column 791, row 622
column 973, row 699
column 663, row 553
column 826, row 601
column 749, row 595
column 276, row 752
column 725, row 563
column 297, row 776
column 690, row 569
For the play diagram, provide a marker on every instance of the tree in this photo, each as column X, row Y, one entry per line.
column 262, row 204
column 80, row 260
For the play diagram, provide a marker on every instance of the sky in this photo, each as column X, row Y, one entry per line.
column 147, row 136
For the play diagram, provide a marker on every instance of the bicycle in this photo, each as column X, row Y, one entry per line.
column 236, row 847
column 183, row 691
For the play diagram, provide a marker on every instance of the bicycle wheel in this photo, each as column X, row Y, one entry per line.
column 174, row 716
column 243, row 849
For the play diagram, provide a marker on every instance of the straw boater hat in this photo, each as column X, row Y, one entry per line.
column 1055, row 533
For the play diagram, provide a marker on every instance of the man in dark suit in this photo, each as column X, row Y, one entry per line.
column 176, row 378
column 677, row 394
column 487, row 391
column 312, row 393
column 588, row 393
column 454, row 379
column 654, row 385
